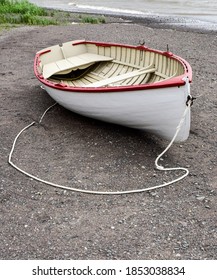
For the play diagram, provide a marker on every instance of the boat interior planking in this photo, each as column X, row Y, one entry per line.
column 87, row 64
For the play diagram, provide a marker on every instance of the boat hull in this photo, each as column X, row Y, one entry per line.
column 157, row 110
column 134, row 86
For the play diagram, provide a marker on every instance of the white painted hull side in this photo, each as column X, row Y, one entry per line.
column 155, row 110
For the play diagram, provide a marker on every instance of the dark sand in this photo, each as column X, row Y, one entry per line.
column 41, row 222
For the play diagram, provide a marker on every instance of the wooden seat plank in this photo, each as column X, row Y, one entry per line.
column 72, row 63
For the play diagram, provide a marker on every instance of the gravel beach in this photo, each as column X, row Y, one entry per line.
column 41, row 222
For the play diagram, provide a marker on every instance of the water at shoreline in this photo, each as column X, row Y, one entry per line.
column 195, row 12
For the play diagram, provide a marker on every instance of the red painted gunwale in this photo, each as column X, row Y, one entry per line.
column 173, row 82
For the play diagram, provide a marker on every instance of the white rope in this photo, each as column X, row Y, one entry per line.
column 159, row 167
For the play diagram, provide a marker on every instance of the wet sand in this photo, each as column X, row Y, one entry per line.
column 41, row 222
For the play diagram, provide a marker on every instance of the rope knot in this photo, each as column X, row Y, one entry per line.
column 190, row 100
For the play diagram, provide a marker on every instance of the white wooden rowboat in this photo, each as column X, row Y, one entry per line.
column 134, row 86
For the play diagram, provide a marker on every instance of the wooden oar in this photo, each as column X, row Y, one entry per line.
column 123, row 77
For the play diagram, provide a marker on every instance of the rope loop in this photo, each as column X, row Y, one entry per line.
column 189, row 102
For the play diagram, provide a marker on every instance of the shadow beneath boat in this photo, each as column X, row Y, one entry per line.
column 133, row 141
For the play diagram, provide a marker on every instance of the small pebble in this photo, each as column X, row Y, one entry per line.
column 201, row 198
